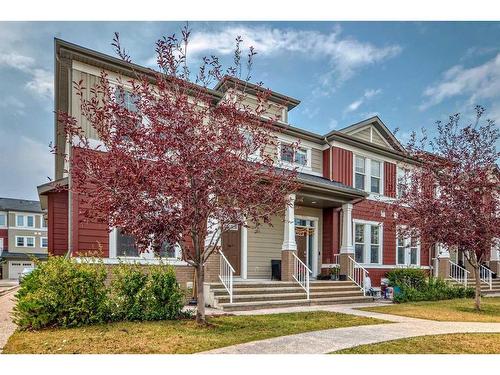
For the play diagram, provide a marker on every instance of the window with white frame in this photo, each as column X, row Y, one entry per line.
column 402, row 182
column 20, row 220
column 126, row 98
column 408, row 251
column 368, row 242
column 43, row 221
column 294, row 155
column 30, row 221
column 44, row 242
column 126, row 247
column 360, row 172
column 375, row 174
column 3, row 220
column 25, row 221
column 25, row 241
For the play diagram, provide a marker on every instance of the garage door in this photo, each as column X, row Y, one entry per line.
column 15, row 268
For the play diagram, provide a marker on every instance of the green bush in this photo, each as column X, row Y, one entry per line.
column 139, row 293
column 431, row 289
column 407, row 277
column 62, row 293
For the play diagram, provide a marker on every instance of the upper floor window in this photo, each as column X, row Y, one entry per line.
column 402, row 182
column 360, row 170
column 126, row 98
column 367, row 242
column 293, row 155
column 44, row 242
column 25, row 221
column 3, row 220
column 368, row 174
column 408, row 250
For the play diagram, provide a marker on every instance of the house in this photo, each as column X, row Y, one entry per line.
column 23, row 235
column 340, row 217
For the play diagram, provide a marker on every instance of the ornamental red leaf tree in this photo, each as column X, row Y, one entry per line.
column 176, row 162
column 452, row 196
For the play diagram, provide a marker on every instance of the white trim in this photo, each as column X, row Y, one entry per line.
column 289, row 225
column 41, row 242
column 286, row 164
column 407, row 251
column 381, row 136
column 1, row 245
column 367, row 241
column 368, row 173
column 244, row 252
column 6, row 215
column 315, row 250
column 25, row 221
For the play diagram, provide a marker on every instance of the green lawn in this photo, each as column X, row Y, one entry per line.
column 463, row 343
column 447, row 310
column 182, row 336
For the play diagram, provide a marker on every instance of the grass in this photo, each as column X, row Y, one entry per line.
column 182, row 336
column 447, row 310
column 463, row 343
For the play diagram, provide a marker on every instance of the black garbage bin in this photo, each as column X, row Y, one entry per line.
column 276, row 269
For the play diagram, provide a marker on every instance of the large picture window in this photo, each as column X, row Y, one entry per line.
column 368, row 242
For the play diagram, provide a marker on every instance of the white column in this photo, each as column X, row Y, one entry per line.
column 244, row 251
column 112, row 243
column 289, row 234
column 347, row 245
column 213, row 229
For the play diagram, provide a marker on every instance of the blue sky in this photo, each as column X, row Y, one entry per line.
column 408, row 73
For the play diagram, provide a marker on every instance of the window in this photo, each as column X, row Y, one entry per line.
column 125, row 245
column 375, row 176
column 360, row 172
column 3, row 220
column 23, row 241
column 167, row 251
column 43, row 221
column 30, row 221
column 44, row 242
column 402, row 176
column 368, row 243
column 126, row 98
column 20, row 220
column 408, row 251
column 291, row 154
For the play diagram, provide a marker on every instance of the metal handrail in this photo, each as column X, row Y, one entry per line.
column 458, row 273
column 336, row 259
column 226, row 272
column 486, row 276
column 357, row 273
column 301, row 273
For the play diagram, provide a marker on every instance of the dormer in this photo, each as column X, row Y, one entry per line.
column 279, row 104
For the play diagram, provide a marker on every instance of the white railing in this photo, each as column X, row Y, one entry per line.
column 458, row 273
column 301, row 273
column 357, row 274
column 226, row 272
column 336, row 259
column 486, row 276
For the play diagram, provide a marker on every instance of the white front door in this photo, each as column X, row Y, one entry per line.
column 16, row 267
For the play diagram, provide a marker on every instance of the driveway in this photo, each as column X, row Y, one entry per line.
column 7, row 327
column 330, row 340
column 7, row 285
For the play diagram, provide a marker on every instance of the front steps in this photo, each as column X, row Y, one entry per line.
column 485, row 289
column 262, row 295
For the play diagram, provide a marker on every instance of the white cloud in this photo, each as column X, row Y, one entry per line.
column 345, row 55
column 333, row 124
column 42, row 83
column 479, row 82
column 368, row 94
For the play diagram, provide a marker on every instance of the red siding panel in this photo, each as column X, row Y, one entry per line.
column 326, row 163
column 5, row 235
column 58, row 222
column 331, row 235
column 342, row 165
column 389, row 179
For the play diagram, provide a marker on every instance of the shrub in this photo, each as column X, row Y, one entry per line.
column 139, row 293
column 61, row 292
column 407, row 277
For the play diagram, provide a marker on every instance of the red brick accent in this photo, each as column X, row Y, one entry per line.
column 390, row 179
column 342, row 166
column 58, row 222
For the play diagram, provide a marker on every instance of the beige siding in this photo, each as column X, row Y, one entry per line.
column 317, row 160
column 274, row 110
column 378, row 140
column 364, row 135
column 265, row 245
column 88, row 81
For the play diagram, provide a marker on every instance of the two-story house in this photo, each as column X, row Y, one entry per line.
column 340, row 217
column 23, row 235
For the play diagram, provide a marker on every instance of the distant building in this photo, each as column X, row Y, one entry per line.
column 23, row 235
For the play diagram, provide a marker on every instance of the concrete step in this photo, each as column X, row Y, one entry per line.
column 278, row 284
column 239, row 306
column 288, row 289
column 286, row 296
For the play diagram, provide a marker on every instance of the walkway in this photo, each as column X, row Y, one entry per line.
column 330, row 340
column 7, row 327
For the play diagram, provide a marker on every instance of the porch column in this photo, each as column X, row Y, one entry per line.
column 244, row 250
column 495, row 257
column 443, row 256
column 289, row 246
column 346, row 247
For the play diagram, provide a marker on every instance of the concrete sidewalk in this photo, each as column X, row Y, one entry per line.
column 7, row 327
column 330, row 340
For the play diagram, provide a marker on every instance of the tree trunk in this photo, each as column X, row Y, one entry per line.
column 477, row 297
column 200, row 295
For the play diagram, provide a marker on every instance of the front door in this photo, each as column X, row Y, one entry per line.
column 304, row 237
column 231, row 248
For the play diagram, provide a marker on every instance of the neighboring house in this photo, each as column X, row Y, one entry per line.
column 23, row 235
column 340, row 217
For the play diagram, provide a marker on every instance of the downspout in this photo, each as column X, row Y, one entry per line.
column 330, row 170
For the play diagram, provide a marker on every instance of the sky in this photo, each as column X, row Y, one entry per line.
column 410, row 74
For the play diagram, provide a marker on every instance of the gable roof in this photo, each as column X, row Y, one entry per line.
column 383, row 131
column 22, row 205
